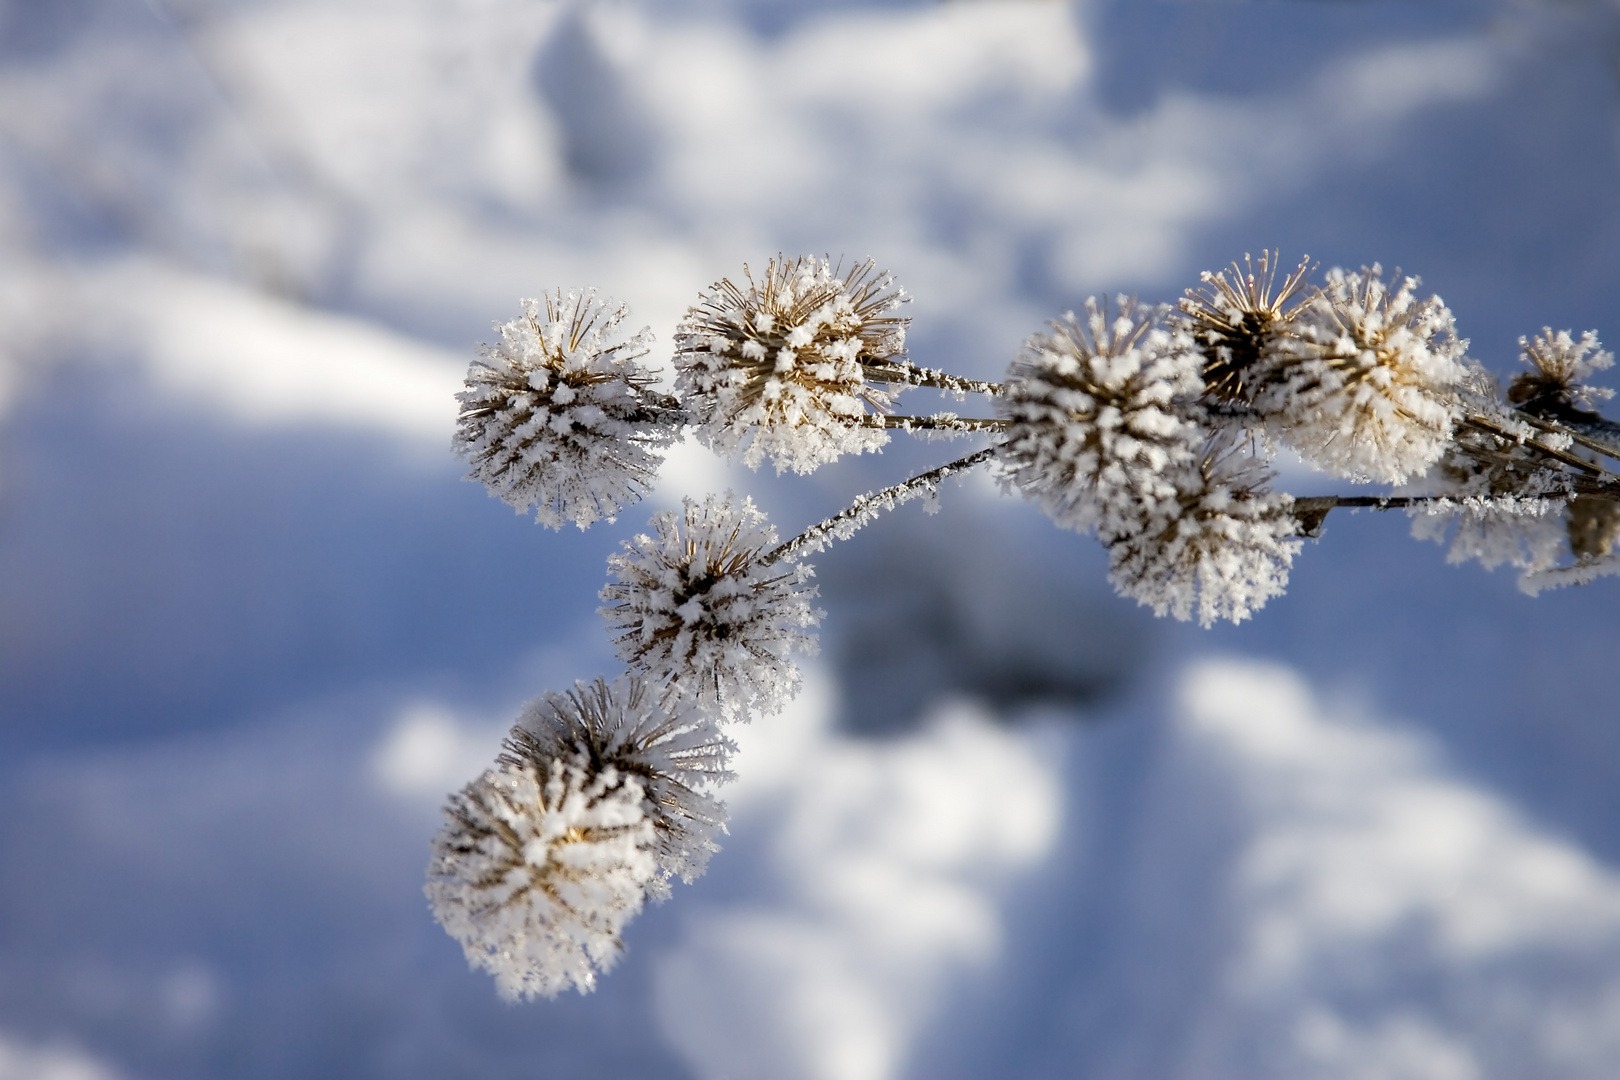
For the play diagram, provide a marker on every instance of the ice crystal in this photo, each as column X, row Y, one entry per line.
column 697, row 608
column 781, row 364
column 537, row 869
column 1239, row 323
column 676, row 757
column 1368, row 390
column 1559, row 368
column 1223, row 554
column 559, row 416
column 1098, row 413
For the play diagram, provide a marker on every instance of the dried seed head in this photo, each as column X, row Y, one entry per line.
column 1559, row 367
column 560, row 417
column 537, row 869
column 1225, row 552
column 782, row 363
column 1100, row 415
column 676, row 757
column 1366, row 384
column 696, row 609
column 1237, row 323
column 1501, row 498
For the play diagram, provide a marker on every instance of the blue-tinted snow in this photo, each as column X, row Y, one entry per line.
column 252, row 625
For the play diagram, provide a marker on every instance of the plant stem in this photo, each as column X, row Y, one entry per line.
column 1571, row 460
column 843, row 525
column 1313, row 510
column 938, row 422
column 906, row 373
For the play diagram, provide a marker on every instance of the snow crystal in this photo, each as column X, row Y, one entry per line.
column 538, row 868
column 785, row 360
column 698, row 610
column 1364, row 386
column 560, row 418
column 675, row 757
column 1098, row 416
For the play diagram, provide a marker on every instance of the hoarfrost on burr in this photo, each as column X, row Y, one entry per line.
column 697, row 606
column 1239, row 324
column 1559, row 367
column 1224, row 551
column 677, row 758
column 1365, row 388
column 537, row 869
column 559, row 415
column 1100, row 413
column 778, row 367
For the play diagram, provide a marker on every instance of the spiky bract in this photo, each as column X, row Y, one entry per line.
column 1224, row 551
column 1100, row 413
column 778, row 367
column 1369, row 391
column 1238, row 324
column 697, row 609
column 538, row 867
column 1559, row 367
column 677, row 757
column 559, row 416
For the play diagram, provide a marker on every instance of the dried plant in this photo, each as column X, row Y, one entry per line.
column 1151, row 429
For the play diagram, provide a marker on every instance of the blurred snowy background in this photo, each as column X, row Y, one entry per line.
column 253, row 627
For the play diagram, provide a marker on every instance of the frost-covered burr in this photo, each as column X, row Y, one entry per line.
column 778, row 367
column 677, row 757
column 698, row 608
column 538, row 867
column 1369, row 390
column 1559, row 366
column 1238, row 324
column 559, row 416
column 1224, row 551
column 1100, row 413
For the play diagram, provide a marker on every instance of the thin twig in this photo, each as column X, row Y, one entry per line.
column 906, row 373
column 843, row 525
column 936, row 422
column 1485, row 424
column 1310, row 512
column 1586, row 438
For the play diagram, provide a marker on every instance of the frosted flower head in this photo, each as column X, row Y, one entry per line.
column 781, row 364
column 675, row 757
column 1222, row 556
column 1099, row 414
column 537, row 869
column 1237, row 323
column 695, row 608
column 559, row 416
column 1369, row 390
column 1500, row 501
column 1559, row 367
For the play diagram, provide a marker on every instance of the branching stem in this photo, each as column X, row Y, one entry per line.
column 1484, row 424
